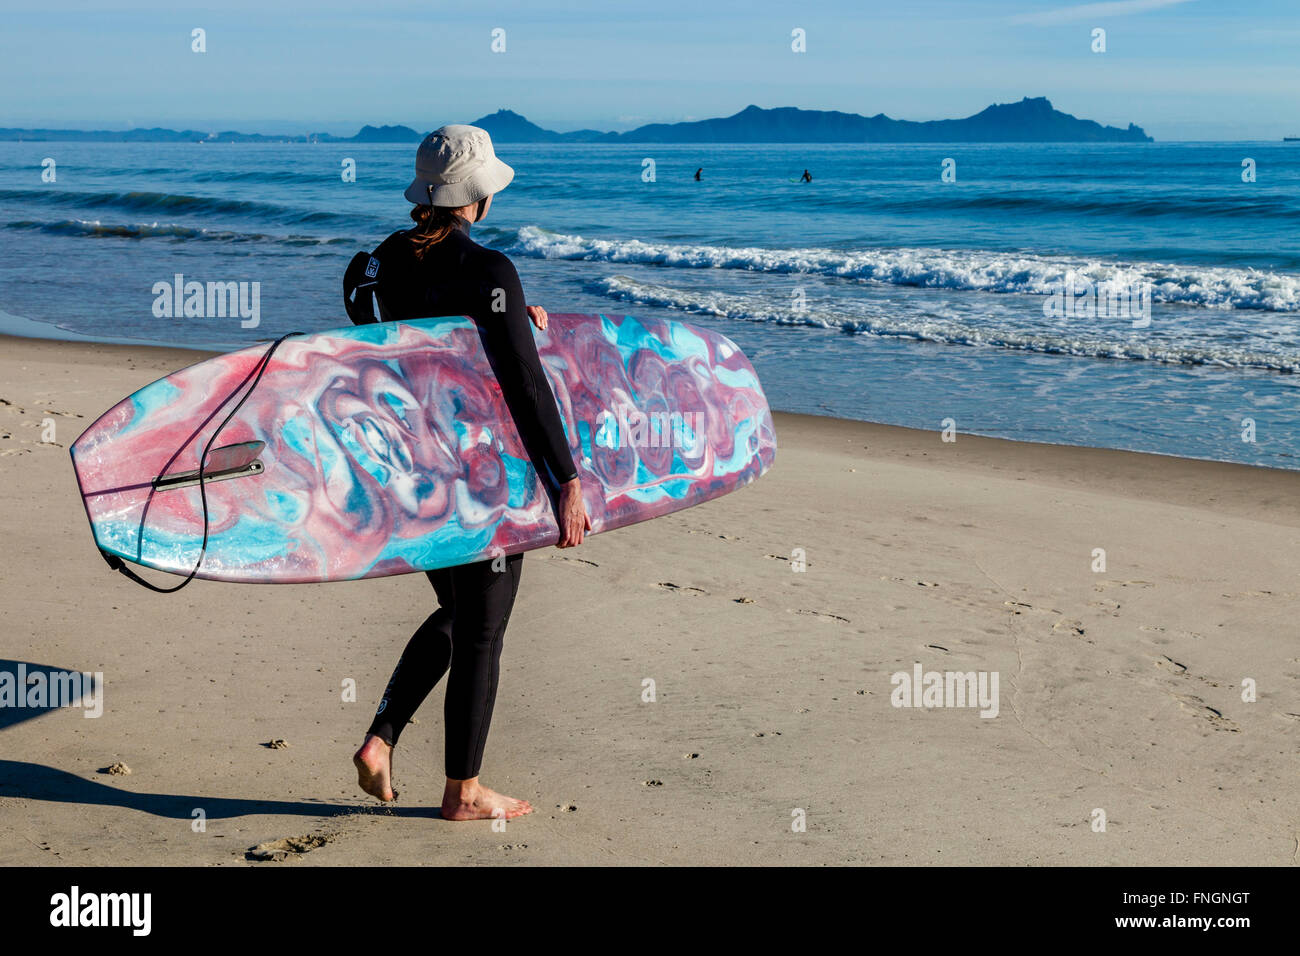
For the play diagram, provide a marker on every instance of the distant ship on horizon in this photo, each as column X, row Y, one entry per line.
column 1291, row 139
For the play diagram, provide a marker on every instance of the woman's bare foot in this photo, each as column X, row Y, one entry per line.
column 468, row 800
column 375, row 768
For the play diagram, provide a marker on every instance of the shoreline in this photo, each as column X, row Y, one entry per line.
column 24, row 329
column 180, row 356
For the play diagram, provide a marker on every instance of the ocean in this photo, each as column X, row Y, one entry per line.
column 1143, row 297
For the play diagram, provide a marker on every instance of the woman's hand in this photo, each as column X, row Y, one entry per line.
column 573, row 518
column 538, row 315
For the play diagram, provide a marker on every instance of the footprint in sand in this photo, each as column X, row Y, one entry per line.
column 680, row 588
column 1157, row 629
column 46, row 410
column 277, row 850
column 1019, row 607
column 565, row 557
column 1180, row 669
column 1074, row 628
column 1200, row 708
column 824, row 617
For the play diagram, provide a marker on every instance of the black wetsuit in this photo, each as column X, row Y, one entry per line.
column 459, row 277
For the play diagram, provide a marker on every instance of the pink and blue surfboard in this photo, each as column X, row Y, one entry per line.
column 386, row 449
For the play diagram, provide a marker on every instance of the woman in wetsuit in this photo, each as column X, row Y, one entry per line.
column 435, row 269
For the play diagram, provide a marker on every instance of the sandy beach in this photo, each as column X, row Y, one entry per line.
column 1120, row 691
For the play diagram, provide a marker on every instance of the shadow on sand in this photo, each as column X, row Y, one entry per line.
column 30, row 781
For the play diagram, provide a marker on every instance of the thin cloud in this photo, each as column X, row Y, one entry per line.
column 1092, row 11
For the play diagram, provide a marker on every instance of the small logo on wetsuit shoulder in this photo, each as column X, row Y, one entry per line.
column 372, row 268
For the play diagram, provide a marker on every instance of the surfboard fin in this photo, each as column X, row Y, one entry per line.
column 228, row 461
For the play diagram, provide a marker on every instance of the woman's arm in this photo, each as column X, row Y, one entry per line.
column 528, row 393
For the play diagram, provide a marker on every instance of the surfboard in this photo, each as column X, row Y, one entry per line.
column 388, row 448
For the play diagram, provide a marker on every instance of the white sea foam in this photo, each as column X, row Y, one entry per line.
column 974, row 270
column 1006, row 331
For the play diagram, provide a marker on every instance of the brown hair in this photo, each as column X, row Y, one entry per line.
column 432, row 225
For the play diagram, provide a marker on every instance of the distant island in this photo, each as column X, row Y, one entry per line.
column 1032, row 120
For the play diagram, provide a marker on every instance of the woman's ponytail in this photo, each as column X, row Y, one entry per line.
column 432, row 225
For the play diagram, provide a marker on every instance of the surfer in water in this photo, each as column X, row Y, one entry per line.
column 435, row 269
column 697, row 173
column 806, row 177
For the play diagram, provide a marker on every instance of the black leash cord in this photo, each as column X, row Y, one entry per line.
column 119, row 565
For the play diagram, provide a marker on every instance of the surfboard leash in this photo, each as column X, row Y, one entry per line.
column 117, row 564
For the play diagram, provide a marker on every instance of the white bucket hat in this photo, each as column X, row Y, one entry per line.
column 456, row 166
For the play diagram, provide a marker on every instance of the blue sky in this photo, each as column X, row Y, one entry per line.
column 1182, row 69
